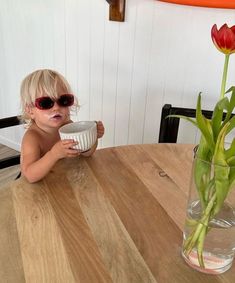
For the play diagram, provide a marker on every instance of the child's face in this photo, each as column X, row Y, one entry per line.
column 54, row 117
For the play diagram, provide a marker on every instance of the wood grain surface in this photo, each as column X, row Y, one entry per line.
column 117, row 216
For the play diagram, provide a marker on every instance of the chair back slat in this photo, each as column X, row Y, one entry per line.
column 12, row 160
column 10, row 121
column 169, row 127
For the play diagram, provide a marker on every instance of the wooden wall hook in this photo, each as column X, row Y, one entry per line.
column 117, row 10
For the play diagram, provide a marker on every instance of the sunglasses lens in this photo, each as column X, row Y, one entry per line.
column 66, row 100
column 44, row 103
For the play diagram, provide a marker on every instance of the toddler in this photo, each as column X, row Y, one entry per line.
column 46, row 100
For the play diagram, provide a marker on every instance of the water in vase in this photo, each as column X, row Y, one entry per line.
column 219, row 245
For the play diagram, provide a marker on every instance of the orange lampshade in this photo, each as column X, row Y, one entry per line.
column 228, row 4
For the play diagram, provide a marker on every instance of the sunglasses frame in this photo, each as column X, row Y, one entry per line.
column 51, row 102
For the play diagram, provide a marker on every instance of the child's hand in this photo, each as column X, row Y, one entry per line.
column 100, row 129
column 64, row 148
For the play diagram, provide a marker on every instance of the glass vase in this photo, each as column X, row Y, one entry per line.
column 209, row 232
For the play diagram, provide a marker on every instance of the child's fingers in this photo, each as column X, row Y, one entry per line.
column 69, row 145
column 67, row 141
column 72, row 152
column 100, row 128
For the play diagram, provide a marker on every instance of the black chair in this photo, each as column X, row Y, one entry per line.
column 12, row 160
column 169, row 126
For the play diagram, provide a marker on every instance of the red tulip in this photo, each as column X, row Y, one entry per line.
column 224, row 38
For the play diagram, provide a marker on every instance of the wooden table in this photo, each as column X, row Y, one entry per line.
column 115, row 217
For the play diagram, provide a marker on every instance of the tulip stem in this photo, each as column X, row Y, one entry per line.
column 224, row 78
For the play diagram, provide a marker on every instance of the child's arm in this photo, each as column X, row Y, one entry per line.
column 33, row 166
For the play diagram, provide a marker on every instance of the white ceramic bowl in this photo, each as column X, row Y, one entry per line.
column 84, row 132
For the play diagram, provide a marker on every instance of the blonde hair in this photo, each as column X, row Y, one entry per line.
column 43, row 82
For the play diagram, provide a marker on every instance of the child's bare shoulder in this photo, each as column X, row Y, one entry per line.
column 32, row 135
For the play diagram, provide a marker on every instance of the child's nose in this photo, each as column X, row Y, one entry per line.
column 55, row 106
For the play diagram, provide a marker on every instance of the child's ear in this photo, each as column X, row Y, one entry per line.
column 29, row 111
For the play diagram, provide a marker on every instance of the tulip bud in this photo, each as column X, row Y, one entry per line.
column 224, row 38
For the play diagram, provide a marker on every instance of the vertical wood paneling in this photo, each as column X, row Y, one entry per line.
column 84, row 49
column 97, row 21
column 71, row 14
column 111, row 48
column 59, row 36
column 122, row 73
column 180, row 38
column 157, row 72
column 10, row 51
column 143, row 33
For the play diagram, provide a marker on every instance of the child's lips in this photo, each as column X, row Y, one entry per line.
column 56, row 116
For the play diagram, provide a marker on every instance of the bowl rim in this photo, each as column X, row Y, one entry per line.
column 92, row 125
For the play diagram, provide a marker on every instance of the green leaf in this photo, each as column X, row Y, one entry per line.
column 221, row 170
column 231, row 124
column 217, row 117
column 231, row 163
column 231, row 105
column 183, row 117
column 230, row 158
column 204, row 124
column 202, row 169
column 230, row 152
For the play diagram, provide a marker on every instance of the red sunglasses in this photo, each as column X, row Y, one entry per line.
column 45, row 102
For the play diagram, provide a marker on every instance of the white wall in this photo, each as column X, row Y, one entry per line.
column 122, row 73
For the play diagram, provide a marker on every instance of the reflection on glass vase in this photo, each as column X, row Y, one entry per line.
column 209, row 233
